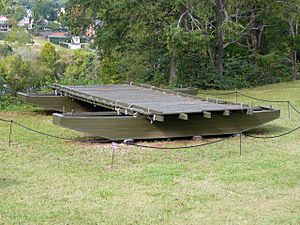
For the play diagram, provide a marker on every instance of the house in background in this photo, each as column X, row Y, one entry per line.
column 74, row 44
column 24, row 22
column 61, row 11
column 58, row 37
column 27, row 21
column 4, row 26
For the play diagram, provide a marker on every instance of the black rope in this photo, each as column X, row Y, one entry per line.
column 261, row 99
column 294, row 108
column 169, row 148
column 275, row 136
column 54, row 136
column 221, row 94
column 181, row 147
column 7, row 121
column 248, row 96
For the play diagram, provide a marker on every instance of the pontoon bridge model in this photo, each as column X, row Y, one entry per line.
column 135, row 111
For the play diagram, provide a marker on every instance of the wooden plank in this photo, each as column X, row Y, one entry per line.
column 145, row 100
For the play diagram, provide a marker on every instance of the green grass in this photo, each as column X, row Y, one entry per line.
column 49, row 181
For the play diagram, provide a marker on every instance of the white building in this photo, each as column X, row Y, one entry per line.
column 4, row 26
column 75, row 43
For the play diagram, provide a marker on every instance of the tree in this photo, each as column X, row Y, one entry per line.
column 209, row 44
column 79, row 69
column 5, row 50
column 16, row 72
column 44, row 10
column 289, row 10
column 219, row 36
column 12, row 9
column 48, row 60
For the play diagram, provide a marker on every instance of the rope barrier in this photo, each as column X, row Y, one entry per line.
column 275, row 136
column 251, row 97
column 7, row 121
column 167, row 148
column 221, row 94
column 294, row 108
column 289, row 104
column 46, row 134
column 262, row 100
column 181, row 147
column 108, row 141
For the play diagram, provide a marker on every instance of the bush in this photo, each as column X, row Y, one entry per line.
column 3, row 35
column 10, row 102
column 5, row 50
column 19, row 36
column 82, row 68
column 16, row 73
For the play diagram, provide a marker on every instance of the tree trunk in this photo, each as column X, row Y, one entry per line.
column 294, row 63
column 260, row 35
column 172, row 77
column 219, row 37
column 253, row 29
column 293, row 52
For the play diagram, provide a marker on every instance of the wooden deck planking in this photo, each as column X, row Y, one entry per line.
column 147, row 99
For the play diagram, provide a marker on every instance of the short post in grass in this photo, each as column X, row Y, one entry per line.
column 114, row 148
column 10, row 133
column 241, row 143
column 289, row 111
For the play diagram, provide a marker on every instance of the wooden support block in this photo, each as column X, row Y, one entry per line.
column 207, row 115
column 128, row 141
column 226, row 112
column 183, row 116
column 197, row 138
column 159, row 118
column 249, row 111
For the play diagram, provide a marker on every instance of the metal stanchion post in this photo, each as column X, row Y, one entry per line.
column 241, row 143
column 10, row 133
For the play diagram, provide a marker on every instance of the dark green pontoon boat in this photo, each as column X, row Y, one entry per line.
column 134, row 111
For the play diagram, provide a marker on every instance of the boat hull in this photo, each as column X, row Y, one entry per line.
column 55, row 102
column 111, row 126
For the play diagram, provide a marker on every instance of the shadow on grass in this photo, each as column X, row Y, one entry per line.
column 7, row 182
column 43, row 112
column 268, row 130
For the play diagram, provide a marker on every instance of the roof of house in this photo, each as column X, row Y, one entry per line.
column 3, row 18
column 58, row 34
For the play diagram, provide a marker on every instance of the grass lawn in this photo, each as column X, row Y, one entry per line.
column 49, row 181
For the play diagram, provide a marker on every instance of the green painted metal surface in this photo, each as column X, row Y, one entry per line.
column 134, row 111
column 128, row 127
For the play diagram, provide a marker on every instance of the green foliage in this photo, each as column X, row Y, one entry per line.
column 139, row 41
column 48, row 64
column 9, row 103
column 18, row 36
column 48, row 55
column 46, row 10
column 5, row 50
column 3, row 35
column 16, row 73
column 81, row 68
column 12, row 9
